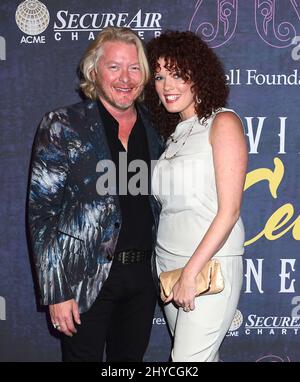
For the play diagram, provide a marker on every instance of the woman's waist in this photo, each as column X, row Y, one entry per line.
column 182, row 237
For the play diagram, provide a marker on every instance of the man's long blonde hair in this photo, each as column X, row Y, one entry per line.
column 95, row 50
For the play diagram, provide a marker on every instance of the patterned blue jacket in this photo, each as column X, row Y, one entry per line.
column 74, row 230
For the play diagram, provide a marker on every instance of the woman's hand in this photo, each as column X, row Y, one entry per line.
column 184, row 292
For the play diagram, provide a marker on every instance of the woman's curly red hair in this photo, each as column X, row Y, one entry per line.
column 186, row 52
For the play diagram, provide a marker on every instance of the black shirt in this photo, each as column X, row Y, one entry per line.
column 137, row 217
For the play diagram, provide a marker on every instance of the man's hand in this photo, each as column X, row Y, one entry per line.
column 62, row 316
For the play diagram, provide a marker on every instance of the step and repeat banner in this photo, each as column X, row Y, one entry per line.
column 41, row 43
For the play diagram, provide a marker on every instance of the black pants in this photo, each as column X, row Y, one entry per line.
column 120, row 318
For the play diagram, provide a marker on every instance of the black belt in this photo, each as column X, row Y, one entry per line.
column 132, row 256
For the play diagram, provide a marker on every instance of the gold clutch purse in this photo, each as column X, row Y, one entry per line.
column 209, row 280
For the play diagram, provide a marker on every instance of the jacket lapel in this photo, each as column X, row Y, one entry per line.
column 96, row 132
column 155, row 150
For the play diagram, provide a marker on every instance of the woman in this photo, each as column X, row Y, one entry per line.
column 199, row 182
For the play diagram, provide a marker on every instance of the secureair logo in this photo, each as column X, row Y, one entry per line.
column 73, row 26
column 32, row 18
column 264, row 325
column 271, row 325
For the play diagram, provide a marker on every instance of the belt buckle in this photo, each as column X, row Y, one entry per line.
column 123, row 258
column 132, row 256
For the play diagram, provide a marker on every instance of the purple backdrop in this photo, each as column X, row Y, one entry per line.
column 259, row 44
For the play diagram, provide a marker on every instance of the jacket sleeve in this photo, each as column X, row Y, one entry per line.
column 49, row 171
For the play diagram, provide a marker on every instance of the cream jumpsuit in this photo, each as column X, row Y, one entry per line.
column 183, row 181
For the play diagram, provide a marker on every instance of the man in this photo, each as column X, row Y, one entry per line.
column 93, row 249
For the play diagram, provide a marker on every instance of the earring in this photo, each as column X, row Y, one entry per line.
column 159, row 101
column 198, row 100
